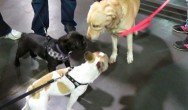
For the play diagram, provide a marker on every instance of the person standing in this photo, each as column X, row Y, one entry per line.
column 40, row 21
column 182, row 28
column 6, row 31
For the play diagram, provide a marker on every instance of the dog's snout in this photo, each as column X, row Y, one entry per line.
column 91, row 38
column 88, row 36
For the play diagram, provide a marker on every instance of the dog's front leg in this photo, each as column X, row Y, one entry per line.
column 74, row 96
column 130, row 48
column 114, row 49
column 72, row 100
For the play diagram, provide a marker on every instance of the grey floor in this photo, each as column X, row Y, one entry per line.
column 174, row 2
column 156, row 80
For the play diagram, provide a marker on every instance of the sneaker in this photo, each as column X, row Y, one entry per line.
column 181, row 45
column 14, row 35
column 180, row 29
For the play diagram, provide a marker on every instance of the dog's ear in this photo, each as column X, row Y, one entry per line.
column 109, row 11
column 100, row 66
column 62, row 41
column 94, row 5
column 89, row 57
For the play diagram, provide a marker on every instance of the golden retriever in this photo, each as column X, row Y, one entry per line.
column 114, row 16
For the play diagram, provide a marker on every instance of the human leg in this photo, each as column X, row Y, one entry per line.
column 186, row 24
column 182, row 28
column 4, row 27
column 67, row 14
column 40, row 21
column 7, row 32
column 181, row 45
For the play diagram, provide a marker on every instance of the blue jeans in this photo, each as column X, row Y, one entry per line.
column 41, row 15
column 4, row 27
column 186, row 25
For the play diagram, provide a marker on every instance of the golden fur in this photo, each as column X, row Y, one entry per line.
column 115, row 16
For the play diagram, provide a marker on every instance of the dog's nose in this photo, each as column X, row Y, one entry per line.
column 89, row 38
column 89, row 34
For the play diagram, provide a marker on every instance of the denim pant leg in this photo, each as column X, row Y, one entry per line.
column 67, row 13
column 4, row 27
column 186, row 25
column 40, row 21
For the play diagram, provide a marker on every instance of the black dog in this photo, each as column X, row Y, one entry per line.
column 55, row 52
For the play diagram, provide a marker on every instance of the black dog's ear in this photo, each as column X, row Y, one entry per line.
column 62, row 41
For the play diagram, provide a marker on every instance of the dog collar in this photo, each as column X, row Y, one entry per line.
column 60, row 50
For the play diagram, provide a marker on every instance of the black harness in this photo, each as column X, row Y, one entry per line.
column 57, row 54
column 76, row 83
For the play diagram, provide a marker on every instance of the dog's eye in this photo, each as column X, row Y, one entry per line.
column 96, row 26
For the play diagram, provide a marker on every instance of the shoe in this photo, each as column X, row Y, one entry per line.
column 180, row 29
column 181, row 45
column 69, row 28
column 14, row 35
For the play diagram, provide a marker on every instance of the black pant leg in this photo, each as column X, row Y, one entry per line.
column 4, row 27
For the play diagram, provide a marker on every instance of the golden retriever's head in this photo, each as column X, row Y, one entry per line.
column 99, row 17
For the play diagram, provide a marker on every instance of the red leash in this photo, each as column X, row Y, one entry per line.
column 144, row 23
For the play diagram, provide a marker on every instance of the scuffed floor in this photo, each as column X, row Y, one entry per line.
column 156, row 80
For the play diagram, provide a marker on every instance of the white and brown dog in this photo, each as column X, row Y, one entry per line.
column 115, row 16
column 71, row 81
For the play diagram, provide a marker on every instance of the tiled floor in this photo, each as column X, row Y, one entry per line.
column 156, row 80
column 174, row 2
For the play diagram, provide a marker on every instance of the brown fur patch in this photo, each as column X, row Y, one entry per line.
column 61, row 72
column 89, row 57
column 38, row 83
column 63, row 88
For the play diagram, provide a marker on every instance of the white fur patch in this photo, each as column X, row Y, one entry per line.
column 101, row 54
column 35, row 64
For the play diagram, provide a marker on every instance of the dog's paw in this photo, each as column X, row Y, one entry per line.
column 129, row 57
column 113, row 58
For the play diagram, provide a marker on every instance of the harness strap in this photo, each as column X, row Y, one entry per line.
column 58, row 48
column 76, row 83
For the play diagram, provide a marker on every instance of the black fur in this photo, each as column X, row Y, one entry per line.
column 37, row 45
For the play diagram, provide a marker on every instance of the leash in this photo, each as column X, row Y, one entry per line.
column 144, row 23
column 32, row 91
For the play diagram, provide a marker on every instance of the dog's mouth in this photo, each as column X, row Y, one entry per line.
column 93, row 38
column 93, row 35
